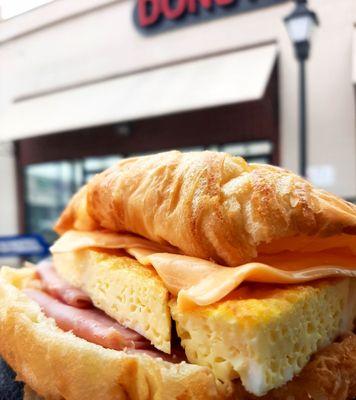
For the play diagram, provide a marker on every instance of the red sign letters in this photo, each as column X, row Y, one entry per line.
column 149, row 11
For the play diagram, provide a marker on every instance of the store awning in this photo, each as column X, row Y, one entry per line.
column 233, row 77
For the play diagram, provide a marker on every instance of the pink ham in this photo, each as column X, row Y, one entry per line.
column 53, row 284
column 90, row 324
column 76, row 313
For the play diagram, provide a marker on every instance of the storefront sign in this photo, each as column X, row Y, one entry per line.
column 23, row 245
column 153, row 16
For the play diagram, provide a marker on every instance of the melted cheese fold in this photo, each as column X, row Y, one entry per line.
column 200, row 282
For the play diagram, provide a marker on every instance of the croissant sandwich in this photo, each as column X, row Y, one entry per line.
column 189, row 276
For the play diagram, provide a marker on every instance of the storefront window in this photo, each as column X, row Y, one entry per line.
column 49, row 186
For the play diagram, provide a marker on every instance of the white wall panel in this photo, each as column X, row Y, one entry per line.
column 8, row 200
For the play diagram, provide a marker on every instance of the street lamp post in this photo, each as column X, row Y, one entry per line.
column 300, row 24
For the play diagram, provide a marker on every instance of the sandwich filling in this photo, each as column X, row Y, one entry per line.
column 230, row 319
column 122, row 292
column 201, row 282
column 73, row 310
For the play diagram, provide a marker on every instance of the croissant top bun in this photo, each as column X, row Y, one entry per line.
column 208, row 204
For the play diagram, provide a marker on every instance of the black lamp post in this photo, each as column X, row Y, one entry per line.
column 300, row 24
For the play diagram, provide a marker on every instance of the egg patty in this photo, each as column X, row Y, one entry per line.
column 265, row 334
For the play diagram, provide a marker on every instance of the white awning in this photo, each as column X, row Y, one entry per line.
column 233, row 77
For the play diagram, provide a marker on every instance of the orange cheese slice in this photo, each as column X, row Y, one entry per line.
column 309, row 244
column 200, row 282
column 75, row 240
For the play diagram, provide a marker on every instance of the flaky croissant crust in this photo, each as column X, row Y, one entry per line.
column 208, row 204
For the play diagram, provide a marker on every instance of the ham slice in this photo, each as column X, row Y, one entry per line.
column 90, row 324
column 96, row 327
column 59, row 288
column 200, row 282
